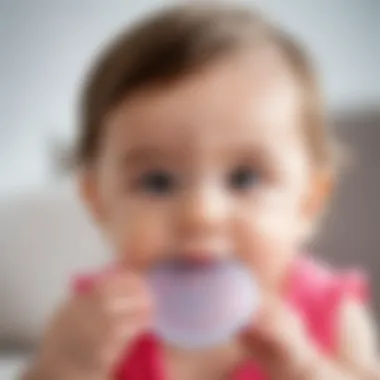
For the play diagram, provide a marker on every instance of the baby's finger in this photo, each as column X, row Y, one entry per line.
column 123, row 313
column 129, row 304
column 278, row 338
column 121, row 283
column 123, row 292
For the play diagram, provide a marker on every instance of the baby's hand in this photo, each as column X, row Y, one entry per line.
column 278, row 341
column 93, row 328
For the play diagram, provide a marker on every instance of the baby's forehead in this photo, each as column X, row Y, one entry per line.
column 240, row 95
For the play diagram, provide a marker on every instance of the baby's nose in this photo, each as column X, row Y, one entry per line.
column 203, row 212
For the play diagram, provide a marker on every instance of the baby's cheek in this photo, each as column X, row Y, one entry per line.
column 266, row 237
column 140, row 236
column 260, row 252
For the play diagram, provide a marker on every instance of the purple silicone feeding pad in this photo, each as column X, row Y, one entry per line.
column 200, row 305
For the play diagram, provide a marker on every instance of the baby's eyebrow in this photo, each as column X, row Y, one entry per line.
column 137, row 155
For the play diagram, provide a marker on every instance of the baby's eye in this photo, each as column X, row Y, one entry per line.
column 158, row 182
column 244, row 178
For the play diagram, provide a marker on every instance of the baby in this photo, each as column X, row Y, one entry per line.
column 203, row 138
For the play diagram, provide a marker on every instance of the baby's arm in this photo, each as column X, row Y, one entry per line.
column 358, row 342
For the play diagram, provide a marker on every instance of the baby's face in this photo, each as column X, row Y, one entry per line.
column 212, row 166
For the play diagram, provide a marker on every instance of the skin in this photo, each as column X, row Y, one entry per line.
column 208, row 167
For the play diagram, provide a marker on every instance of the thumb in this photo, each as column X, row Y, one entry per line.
column 277, row 337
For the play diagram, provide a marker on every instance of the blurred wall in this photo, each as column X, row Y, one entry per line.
column 350, row 233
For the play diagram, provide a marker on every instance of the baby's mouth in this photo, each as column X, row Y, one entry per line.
column 203, row 253
column 196, row 260
column 185, row 264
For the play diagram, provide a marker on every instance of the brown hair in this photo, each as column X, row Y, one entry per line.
column 180, row 40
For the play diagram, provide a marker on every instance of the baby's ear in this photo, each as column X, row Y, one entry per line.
column 89, row 193
column 320, row 191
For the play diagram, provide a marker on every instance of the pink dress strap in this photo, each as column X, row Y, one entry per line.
column 316, row 292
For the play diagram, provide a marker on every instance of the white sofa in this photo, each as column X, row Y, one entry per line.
column 45, row 238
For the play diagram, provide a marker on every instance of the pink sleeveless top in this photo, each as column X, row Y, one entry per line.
column 315, row 293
